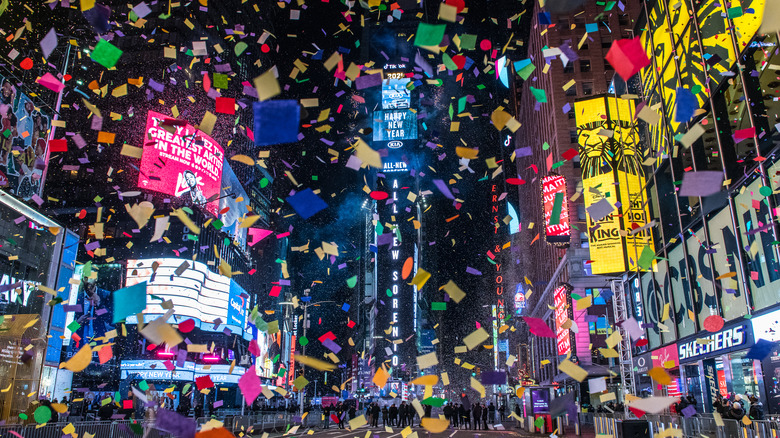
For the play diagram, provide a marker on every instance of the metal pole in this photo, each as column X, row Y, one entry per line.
column 303, row 367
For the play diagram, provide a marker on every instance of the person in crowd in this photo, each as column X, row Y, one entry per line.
column 393, row 414
column 326, row 417
column 448, row 412
column 721, row 405
column 384, row 416
column 477, row 412
column 428, row 410
column 485, row 413
column 106, row 412
column 466, row 418
column 756, row 408
column 492, row 412
column 402, row 414
column 375, row 415
column 198, row 410
column 502, row 412
column 54, row 416
column 455, row 415
column 736, row 412
column 340, row 412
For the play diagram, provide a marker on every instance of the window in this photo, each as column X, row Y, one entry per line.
column 581, row 213
column 606, row 45
column 572, row 91
column 584, row 65
column 587, row 88
column 623, row 20
column 584, row 47
column 563, row 23
column 573, row 136
column 571, row 113
column 569, row 68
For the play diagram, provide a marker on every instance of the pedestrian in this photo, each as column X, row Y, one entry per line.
column 384, row 416
column 502, row 412
column 402, row 414
column 756, row 408
column 485, row 413
column 492, row 412
column 736, row 412
column 428, row 410
column 466, row 418
column 393, row 413
column 448, row 412
column 477, row 412
column 326, row 417
column 375, row 415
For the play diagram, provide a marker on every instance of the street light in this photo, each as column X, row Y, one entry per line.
column 305, row 326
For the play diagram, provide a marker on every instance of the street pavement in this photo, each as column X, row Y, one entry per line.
column 510, row 432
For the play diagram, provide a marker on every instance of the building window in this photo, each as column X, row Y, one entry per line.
column 623, row 20
column 573, row 136
column 584, row 47
column 606, row 45
column 572, row 91
column 563, row 23
column 569, row 68
column 581, row 214
column 584, row 65
column 571, row 113
column 587, row 88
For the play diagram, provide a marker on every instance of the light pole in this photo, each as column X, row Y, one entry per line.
column 303, row 367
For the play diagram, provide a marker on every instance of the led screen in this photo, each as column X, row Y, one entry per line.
column 555, row 206
column 197, row 293
column 181, row 161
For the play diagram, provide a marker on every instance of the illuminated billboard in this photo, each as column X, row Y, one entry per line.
column 156, row 370
column 181, row 161
column 395, row 94
column 196, row 292
column 613, row 180
column 556, row 210
column 394, row 126
column 24, row 147
column 561, row 316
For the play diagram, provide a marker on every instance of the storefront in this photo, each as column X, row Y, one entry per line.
column 767, row 327
column 708, row 364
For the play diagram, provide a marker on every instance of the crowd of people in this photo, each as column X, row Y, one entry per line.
column 476, row 416
column 733, row 407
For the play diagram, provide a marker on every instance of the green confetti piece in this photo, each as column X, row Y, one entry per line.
column 555, row 215
column 73, row 326
column 240, row 47
column 42, row 414
column 352, row 281
column 143, row 385
column 462, row 104
column 220, row 80
column 23, row 416
column 468, row 41
column 545, row 146
column 646, row 258
column 106, row 54
column 429, row 34
column 434, row 401
column 438, row 305
column 303, row 341
column 264, row 183
column 765, row 190
column 448, row 62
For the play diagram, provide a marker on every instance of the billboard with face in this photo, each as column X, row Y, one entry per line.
column 611, row 162
column 181, row 161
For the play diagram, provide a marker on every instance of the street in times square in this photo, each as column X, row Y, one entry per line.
column 389, row 218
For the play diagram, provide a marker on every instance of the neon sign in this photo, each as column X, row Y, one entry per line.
column 561, row 316
column 555, row 207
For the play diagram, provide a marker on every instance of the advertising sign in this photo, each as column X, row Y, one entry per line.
column 613, row 181
column 394, row 126
column 395, row 94
column 196, row 292
column 181, row 161
column 666, row 357
column 156, row 370
column 237, row 306
column 555, row 207
column 234, row 202
column 728, row 339
column 24, row 144
column 561, row 316
column 710, row 381
column 540, row 400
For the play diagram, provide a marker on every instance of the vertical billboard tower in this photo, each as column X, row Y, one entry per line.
column 613, row 179
column 395, row 130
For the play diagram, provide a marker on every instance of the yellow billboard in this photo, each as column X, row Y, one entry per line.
column 611, row 162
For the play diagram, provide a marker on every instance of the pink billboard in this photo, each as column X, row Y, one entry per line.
column 181, row 161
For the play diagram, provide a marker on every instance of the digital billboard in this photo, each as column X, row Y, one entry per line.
column 556, row 209
column 156, row 370
column 196, row 292
column 181, row 161
column 561, row 316
column 612, row 170
column 24, row 143
column 233, row 204
column 395, row 94
column 391, row 127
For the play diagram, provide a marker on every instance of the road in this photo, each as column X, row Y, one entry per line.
column 421, row 432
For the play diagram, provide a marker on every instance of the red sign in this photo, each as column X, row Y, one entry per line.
column 554, row 199
column 561, row 316
column 182, row 161
column 666, row 357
